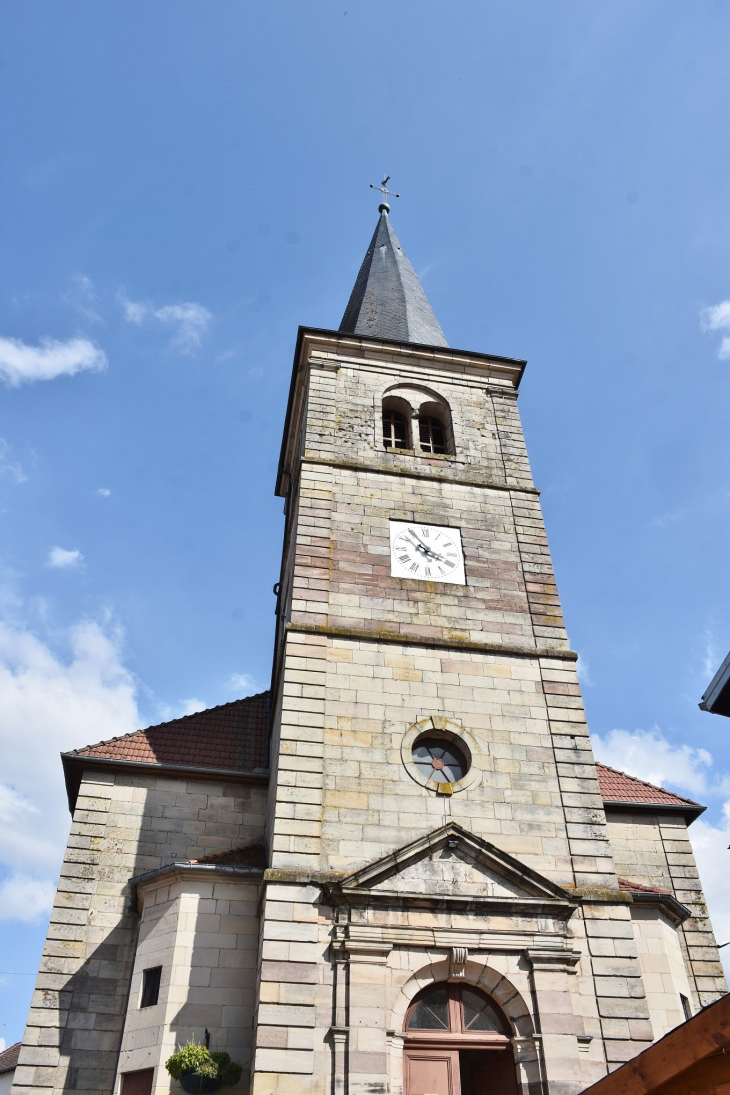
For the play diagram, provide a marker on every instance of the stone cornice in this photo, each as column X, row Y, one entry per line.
column 483, row 906
column 384, row 635
column 333, row 362
column 183, row 870
column 405, row 472
column 667, row 902
column 344, row 346
column 689, row 811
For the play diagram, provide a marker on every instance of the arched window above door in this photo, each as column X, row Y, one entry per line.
column 456, row 1009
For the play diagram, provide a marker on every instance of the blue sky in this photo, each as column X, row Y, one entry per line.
column 184, row 184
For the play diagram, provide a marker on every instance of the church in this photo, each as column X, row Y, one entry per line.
column 400, row 871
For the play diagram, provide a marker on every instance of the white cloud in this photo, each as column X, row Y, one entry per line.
column 23, row 898
column 104, row 492
column 48, row 704
column 242, row 683
column 584, row 673
column 134, row 311
column 189, row 707
column 168, row 711
column 18, row 816
column 7, row 466
column 648, row 755
column 22, row 364
column 712, row 656
column 189, row 319
column 717, row 318
column 83, row 296
column 63, row 558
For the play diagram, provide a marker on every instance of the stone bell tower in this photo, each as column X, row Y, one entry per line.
column 393, row 874
column 435, row 818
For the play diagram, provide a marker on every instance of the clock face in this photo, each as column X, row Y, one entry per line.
column 431, row 553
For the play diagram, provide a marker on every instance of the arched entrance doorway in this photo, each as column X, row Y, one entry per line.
column 457, row 1043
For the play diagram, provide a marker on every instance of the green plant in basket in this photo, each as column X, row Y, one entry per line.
column 200, row 1070
column 229, row 1072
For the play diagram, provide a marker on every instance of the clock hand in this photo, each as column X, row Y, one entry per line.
column 429, row 552
column 425, row 547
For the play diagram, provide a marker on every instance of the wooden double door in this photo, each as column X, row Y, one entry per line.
column 446, row 1071
column 458, row 1042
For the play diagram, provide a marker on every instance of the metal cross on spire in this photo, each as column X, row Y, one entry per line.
column 383, row 188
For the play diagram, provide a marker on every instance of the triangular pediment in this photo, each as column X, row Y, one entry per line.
column 453, row 863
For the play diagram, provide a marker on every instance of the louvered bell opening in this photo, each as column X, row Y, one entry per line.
column 431, row 434
column 395, row 430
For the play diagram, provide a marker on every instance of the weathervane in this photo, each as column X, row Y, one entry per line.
column 383, row 188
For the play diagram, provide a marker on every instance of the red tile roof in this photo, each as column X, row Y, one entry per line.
column 625, row 884
column 253, row 855
column 232, row 736
column 619, row 787
column 9, row 1057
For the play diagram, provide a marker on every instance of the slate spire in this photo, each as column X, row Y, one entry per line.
column 388, row 300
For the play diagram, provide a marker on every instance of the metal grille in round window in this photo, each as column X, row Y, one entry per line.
column 439, row 760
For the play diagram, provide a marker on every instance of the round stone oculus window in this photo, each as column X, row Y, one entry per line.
column 438, row 754
column 439, row 759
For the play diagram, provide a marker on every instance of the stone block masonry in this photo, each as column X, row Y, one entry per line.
column 201, row 927
column 365, row 656
column 123, row 825
column 653, row 848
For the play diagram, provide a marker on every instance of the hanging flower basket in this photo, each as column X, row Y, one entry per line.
column 195, row 1083
column 201, row 1072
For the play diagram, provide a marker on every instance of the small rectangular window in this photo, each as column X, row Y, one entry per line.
column 151, row 987
column 686, row 1006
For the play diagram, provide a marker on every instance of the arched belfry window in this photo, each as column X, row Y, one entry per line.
column 395, row 429
column 417, row 419
column 435, row 432
column 431, row 433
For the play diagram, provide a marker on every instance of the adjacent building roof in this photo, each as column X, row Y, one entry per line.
column 229, row 738
column 716, row 699
column 9, row 1057
column 627, row 884
column 691, row 1058
column 620, row 789
column 232, row 735
column 252, row 855
column 655, row 897
column 388, row 300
